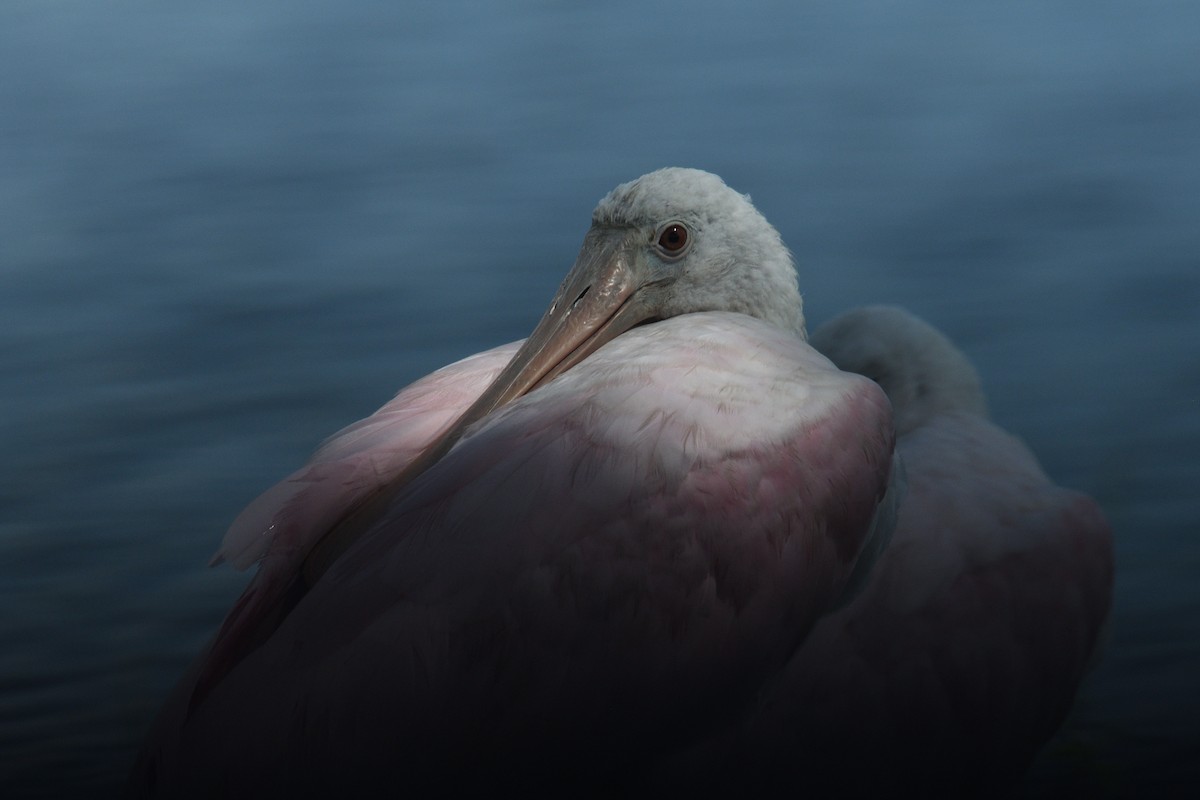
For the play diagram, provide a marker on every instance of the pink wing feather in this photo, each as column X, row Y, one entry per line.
column 361, row 457
column 662, row 523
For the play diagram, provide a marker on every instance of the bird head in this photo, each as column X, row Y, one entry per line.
column 675, row 241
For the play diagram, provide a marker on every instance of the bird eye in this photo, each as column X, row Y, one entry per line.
column 673, row 239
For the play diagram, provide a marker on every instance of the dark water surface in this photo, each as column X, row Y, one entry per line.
column 227, row 229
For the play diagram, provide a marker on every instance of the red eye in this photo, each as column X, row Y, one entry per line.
column 673, row 239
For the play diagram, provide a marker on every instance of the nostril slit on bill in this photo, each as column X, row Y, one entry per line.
column 581, row 295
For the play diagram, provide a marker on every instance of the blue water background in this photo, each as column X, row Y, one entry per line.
column 229, row 228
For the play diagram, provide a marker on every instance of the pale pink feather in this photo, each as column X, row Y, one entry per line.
column 662, row 523
column 962, row 655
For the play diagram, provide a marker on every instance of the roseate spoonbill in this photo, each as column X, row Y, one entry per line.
column 559, row 565
column 962, row 655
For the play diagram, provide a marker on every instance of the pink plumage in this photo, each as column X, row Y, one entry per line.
column 634, row 536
